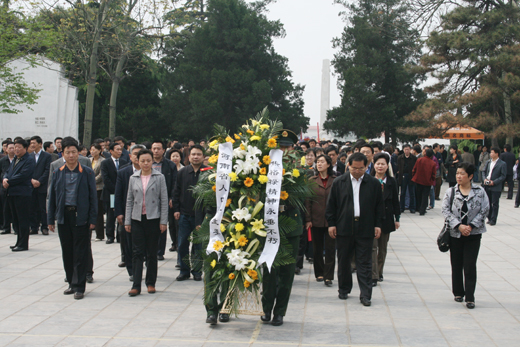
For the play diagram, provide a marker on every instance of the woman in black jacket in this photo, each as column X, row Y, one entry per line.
column 451, row 163
column 392, row 214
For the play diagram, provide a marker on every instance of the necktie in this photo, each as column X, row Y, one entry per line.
column 16, row 162
column 117, row 164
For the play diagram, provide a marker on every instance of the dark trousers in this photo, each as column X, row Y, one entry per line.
column 438, row 185
column 126, row 250
column 75, row 250
column 379, row 250
column 510, row 186
column 517, row 199
column 20, row 209
column 407, row 185
column 186, row 226
column 111, row 222
column 347, row 246
column 100, row 223
column 422, row 197
column 173, row 226
column 304, row 248
column 215, row 302
column 494, row 201
column 463, row 256
column 38, row 211
column 278, row 282
column 7, row 214
column 322, row 241
column 145, row 235
column 161, row 247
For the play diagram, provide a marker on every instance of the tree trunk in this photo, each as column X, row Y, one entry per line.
column 507, row 111
column 92, row 77
column 113, row 96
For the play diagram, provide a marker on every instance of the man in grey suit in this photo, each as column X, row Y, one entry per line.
column 494, row 176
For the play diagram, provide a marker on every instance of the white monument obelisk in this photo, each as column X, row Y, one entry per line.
column 325, row 96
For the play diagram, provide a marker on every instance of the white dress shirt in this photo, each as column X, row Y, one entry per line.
column 356, row 184
column 37, row 155
column 491, row 167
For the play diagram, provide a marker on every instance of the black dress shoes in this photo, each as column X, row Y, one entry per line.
column 266, row 317
column 90, row 279
column 343, row 296
column 68, row 291
column 109, row 241
column 374, row 283
column 33, row 232
column 121, row 264
column 470, row 305
column 160, row 257
column 365, row 301
column 183, row 277
column 458, row 298
column 197, row 277
column 223, row 317
column 45, row 231
column 380, row 278
column 297, row 271
column 277, row 320
column 492, row 223
column 19, row 249
column 5, row 232
column 12, row 247
column 79, row 296
column 212, row 319
column 328, row 283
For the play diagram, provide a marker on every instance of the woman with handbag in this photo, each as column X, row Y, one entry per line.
column 466, row 219
column 392, row 214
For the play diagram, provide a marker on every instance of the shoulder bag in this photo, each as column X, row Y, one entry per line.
column 443, row 240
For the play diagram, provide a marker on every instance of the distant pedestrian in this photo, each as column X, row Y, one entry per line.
column 451, row 165
column 494, row 177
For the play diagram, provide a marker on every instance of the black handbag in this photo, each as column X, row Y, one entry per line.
column 443, row 240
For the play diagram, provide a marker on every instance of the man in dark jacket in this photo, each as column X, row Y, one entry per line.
column 405, row 164
column 355, row 210
column 510, row 159
column 17, row 181
column 109, row 168
column 169, row 170
column 73, row 204
column 39, row 181
column 493, row 182
column 5, row 162
column 123, row 177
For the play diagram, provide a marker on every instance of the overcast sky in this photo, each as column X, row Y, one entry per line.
column 310, row 26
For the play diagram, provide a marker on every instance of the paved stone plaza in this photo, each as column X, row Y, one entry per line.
column 412, row 307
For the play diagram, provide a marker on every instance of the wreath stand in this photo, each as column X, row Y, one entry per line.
column 249, row 302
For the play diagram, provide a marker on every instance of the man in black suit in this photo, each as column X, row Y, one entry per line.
column 355, row 211
column 5, row 162
column 39, row 182
column 109, row 168
column 17, row 181
column 122, row 142
column 494, row 176
column 510, row 159
column 337, row 165
column 123, row 177
column 169, row 170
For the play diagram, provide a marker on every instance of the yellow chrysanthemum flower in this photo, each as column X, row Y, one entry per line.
column 214, row 263
column 222, row 227
column 231, row 276
column 264, row 126
column 271, row 143
column 248, row 182
column 213, row 159
column 263, row 179
column 242, row 241
column 242, row 147
column 250, row 132
column 233, row 176
column 266, row 159
column 255, row 138
column 302, row 161
column 284, row 195
column 228, row 202
column 283, row 172
column 239, row 227
column 237, row 137
column 229, row 139
column 213, row 143
column 263, row 171
column 214, row 188
column 253, row 274
column 246, row 284
column 296, row 173
column 218, row 245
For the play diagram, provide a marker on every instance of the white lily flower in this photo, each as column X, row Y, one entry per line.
column 241, row 214
column 253, row 151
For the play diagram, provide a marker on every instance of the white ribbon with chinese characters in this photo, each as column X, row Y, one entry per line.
column 224, row 167
column 271, row 208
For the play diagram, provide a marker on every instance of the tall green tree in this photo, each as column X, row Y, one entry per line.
column 475, row 56
column 376, row 67
column 228, row 71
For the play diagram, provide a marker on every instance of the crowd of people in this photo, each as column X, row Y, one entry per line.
column 133, row 193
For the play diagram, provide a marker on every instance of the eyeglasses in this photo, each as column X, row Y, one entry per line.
column 356, row 168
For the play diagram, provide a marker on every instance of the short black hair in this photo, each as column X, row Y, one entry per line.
column 312, row 140
column 46, row 145
column 331, row 148
column 417, row 148
column 69, row 142
column 144, row 151
column 37, row 139
column 113, row 146
column 466, row 149
column 21, row 142
column 305, row 143
column 96, row 145
column 4, row 142
column 454, row 147
column 58, row 138
column 435, row 145
column 368, row 146
column 80, row 148
column 119, row 138
column 429, row 152
column 377, row 144
column 495, row 149
column 407, row 145
column 108, row 139
column 468, row 167
column 507, row 147
column 196, row 146
column 358, row 156
column 158, row 141
column 174, row 150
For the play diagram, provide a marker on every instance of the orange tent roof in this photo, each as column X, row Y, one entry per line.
column 462, row 133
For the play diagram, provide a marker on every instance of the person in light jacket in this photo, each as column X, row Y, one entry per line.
column 466, row 218
column 146, row 218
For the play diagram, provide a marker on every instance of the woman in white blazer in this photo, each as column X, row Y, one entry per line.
column 146, row 218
